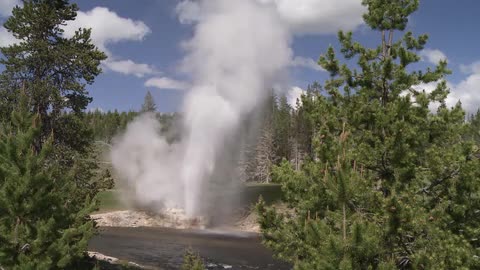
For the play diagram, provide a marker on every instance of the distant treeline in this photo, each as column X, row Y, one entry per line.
column 283, row 132
column 106, row 125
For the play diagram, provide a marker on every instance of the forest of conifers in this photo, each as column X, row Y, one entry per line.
column 375, row 178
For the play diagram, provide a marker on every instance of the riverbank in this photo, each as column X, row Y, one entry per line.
column 115, row 212
column 173, row 218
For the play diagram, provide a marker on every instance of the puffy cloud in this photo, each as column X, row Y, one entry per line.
column 294, row 94
column 319, row 16
column 6, row 39
column 188, row 11
column 107, row 27
column 302, row 16
column 467, row 92
column 300, row 61
column 6, row 7
column 166, row 83
column 433, row 56
column 129, row 67
column 472, row 68
column 428, row 88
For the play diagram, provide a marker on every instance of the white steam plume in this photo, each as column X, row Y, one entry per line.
column 239, row 49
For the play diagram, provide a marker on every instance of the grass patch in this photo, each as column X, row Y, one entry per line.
column 271, row 193
column 109, row 201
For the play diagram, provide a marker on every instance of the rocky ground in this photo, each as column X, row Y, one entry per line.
column 111, row 263
column 171, row 218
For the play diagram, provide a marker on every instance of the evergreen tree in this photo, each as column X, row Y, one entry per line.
column 148, row 103
column 474, row 121
column 50, row 68
column 42, row 226
column 282, row 127
column 302, row 132
column 392, row 185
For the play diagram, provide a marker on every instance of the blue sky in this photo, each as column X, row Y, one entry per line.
column 143, row 40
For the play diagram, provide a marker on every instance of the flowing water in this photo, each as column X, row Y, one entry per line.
column 164, row 248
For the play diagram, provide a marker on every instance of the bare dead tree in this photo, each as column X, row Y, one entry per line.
column 264, row 155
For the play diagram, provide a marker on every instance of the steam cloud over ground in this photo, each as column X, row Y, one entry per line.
column 238, row 50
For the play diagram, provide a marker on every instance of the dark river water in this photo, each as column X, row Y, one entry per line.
column 164, row 248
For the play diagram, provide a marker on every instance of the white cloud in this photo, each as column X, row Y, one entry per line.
column 302, row 16
column 294, row 94
column 6, row 7
column 166, row 83
column 319, row 16
column 6, row 39
column 428, row 88
column 433, row 56
column 472, row 68
column 188, row 11
column 305, row 62
column 107, row 27
column 128, row 67
column 467, row 92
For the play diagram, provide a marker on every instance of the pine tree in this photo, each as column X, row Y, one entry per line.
column 282, row 127
column 50, row 68
column 302, row 133
column 405, row 195
column 474, row 121
column 148, row 103
column 41, row 225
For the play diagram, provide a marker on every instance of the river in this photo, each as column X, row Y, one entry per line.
column 164, row 248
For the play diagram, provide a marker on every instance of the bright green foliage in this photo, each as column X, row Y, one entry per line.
column 392, row 185
column 43, row 225
column 192, row 261
column 50, row 68
column 148, row 103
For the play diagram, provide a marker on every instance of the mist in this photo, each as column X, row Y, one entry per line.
column 238, row 52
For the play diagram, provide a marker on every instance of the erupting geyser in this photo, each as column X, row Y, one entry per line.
column 238, row 50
